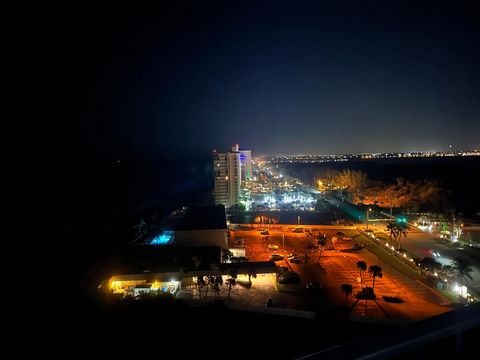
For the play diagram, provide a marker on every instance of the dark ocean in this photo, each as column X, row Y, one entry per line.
column 72, row 213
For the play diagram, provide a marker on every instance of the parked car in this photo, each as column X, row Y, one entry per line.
column 340, row 233
column 276, row 257
column 264, row 232
column 272, row 247
column 288, row 278
column 294, row 259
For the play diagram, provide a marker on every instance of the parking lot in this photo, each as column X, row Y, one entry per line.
column 331, row 268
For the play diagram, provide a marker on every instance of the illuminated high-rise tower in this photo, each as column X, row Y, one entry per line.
column 246, row 164
column 220, row 175
column 227, row 175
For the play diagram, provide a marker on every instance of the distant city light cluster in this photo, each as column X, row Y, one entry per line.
column 268, row 189
column 305, row 158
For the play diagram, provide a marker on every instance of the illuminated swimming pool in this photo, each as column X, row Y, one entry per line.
column 163, row 238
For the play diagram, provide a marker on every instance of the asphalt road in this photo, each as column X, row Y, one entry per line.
column 423, row 245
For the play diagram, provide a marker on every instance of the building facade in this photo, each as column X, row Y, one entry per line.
column 220, row 175
column 246, row 164
column 228, row 177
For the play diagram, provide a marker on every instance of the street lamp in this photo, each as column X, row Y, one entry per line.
column 298, row 220
column 368, row 219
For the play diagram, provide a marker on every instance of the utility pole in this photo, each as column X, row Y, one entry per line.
column 368, row 218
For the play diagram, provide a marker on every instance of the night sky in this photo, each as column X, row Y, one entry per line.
column 276, row 77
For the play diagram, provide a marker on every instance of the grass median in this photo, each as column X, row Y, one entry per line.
column 390, row 259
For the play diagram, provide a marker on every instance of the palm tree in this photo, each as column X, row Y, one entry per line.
column 397, row 231
column 216, row 282
column 213, row 280
column 220, row 280
column 347, row 289
column 275, row 220
column 462, row 269
column 375, row 271
column 391, row 227
column 402, row 232
column 231, row 282
column 362, row 266
column 200, row 283
column 322, row 241
column 268, row 221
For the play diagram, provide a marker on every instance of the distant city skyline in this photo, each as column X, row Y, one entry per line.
column 460, row 152
column 358, row 156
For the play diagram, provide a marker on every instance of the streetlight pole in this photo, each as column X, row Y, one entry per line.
column 283, row 241
column 298, row 220
column 391, row 204
column 368, row 210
